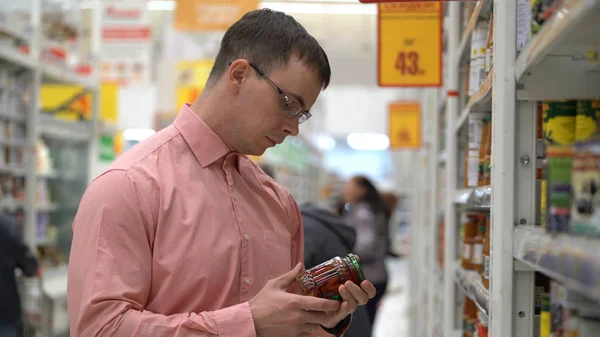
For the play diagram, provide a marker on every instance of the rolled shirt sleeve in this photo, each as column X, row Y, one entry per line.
column 110, row 271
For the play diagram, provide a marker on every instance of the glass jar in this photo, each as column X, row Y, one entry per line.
column 325, row 279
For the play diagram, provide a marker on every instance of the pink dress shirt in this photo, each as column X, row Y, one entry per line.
column 176, row 237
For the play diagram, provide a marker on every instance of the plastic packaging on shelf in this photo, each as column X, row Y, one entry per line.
column 585, row 209
column 469, row 231
column 485, row 279
column 472, row 165
column 585, row 120
column 478, row 57
column 560, row 164
column 559, row 121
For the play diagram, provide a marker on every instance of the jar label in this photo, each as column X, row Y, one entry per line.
column 467, row 248
column 486, row 267
column 478, row 254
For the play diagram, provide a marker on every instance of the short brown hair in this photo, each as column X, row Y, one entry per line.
column 269, row 39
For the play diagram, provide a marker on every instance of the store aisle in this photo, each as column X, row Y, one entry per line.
column 393, row 316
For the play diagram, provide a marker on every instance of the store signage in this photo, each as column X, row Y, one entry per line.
column 191, row 78
column 405, row 125
column 388, row 1
column 410, row 44
column 210, row 15
column 126, row 51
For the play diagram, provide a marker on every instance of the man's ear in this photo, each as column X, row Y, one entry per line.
column 238, row 72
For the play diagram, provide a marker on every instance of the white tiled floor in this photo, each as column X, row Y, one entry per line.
column 392, row 318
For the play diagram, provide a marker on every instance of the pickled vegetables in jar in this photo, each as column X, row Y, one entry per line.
column 325, row 279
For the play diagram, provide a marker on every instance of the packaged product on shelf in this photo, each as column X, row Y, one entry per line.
column 560, row 122
column 468, row 9
column 560, row 165
column 469, row 231
column 596, row 107
column 565, row 305
column 485, row 142
column 485, row 279
column 585, row 210
column 489, row 45
column 523, row 23
column 545, row 319
column 478, row 57
column 469, row 317
column 542, row 288
column 473, row 157
column 487, row 159
column 477, row 258
column 482, row 327
column 585, row 120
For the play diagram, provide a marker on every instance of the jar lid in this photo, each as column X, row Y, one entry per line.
column 354, row 260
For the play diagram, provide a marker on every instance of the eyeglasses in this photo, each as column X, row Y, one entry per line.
column 291, row 107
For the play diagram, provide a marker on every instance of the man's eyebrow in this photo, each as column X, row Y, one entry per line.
column 297, row 97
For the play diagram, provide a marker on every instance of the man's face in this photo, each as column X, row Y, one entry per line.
column 258, row 120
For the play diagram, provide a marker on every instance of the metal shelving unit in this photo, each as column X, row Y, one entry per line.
column 27, row 65
column 553, row 65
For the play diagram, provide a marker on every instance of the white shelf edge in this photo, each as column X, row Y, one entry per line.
column 15, row 57
column 480, row 101
column 554, row 31
column 465, row 40
column 469, row 282
column 535, row 248
column 56, row 74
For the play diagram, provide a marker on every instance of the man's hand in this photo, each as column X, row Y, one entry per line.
column 353, row 296
column 273, row 308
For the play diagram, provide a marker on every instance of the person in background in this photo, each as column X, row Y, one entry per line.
column 367, row 214
column 183, row 235
column 390, row 199
column 14, row 253
column 326, row 235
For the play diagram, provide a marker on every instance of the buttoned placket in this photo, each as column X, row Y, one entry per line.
column 230, row 168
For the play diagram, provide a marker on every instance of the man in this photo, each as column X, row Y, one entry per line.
column 14, row 254
column 184, row 235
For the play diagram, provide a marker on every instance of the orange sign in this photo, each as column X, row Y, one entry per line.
column 405, row 125
column 410, row 44
column 210, row 15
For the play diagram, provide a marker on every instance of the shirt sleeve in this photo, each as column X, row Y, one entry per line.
column 110, row 271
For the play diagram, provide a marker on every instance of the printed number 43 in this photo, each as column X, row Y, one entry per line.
column 408, row 63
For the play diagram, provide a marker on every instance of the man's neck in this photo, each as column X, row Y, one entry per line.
column 212, row 114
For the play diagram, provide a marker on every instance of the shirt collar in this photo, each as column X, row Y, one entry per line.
column 206, row 145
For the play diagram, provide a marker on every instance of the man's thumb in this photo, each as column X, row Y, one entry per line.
column 288, row 278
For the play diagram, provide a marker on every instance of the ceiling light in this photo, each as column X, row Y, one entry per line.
column 368, row 141
column 325, row 143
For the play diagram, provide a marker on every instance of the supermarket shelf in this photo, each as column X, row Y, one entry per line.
column 78, row 131
column 14, row 142
column 555, row 64
column 109, row 129
column 481, row 101
column 474, row 198
column 481, row 9
column 12, row 170
column 21, row 34
column 572, row 260
column 13, row 56
column 442, row 157
column 47, row 207
column 13, row 117
column 469, row 282
column 57, row 74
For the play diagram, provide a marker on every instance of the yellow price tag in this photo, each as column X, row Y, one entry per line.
column 405, row 125
column 410, row 44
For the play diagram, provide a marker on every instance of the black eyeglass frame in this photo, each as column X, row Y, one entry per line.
column 291, row 107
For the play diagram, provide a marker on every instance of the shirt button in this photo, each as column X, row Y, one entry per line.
column 246, row 236
column 247, row 281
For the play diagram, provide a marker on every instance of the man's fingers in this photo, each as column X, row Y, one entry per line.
column 316, row 304
column 357, row 293
column 368, row 288
column 288, row 278
column 349, row 298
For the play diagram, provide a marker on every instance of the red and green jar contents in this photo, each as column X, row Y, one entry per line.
column 325, row 279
